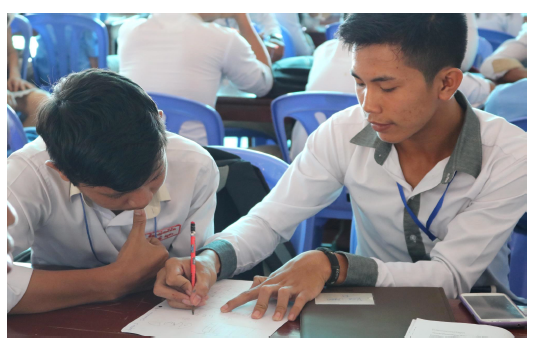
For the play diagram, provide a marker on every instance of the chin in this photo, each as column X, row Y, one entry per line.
column 390, row 138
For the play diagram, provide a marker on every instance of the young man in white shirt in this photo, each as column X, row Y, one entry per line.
column 105, row 191
column 331, row 72
column 185, row 55
column 508, row 63
column 412, row 142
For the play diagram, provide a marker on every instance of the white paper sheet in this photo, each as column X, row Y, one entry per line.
column 345, row 299
column 432, row 329
column 167, row 322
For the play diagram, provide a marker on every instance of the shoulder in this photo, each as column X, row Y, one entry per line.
column 497, row 133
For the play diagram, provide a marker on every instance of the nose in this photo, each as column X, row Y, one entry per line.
column 370, row 102
column 140, row 199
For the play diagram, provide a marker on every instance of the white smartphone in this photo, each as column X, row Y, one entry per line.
column 495, row 309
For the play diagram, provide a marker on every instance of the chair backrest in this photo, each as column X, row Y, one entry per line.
column 179, row 110
column 272, row 169
column 330, row 30
column 508, row 100
column 16, row 137
column 496, row 38
column 520, row 122
column 483, row 51
column 52, row 27
column 289, row 49
column 22, row 26
column 306, row 107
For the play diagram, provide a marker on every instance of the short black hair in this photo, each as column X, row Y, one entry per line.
column 429, row 42
column 102, row 129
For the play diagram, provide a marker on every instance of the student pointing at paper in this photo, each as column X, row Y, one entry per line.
column 436, row 186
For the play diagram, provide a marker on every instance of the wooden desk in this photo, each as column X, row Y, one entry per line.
column 244, row 109
column 107, row 319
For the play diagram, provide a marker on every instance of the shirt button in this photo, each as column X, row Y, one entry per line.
column 413, row 238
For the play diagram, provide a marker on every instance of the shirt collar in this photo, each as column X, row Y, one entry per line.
column 466, row 156
column 152, row 209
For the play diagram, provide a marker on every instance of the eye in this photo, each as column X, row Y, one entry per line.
column 361, row 85
column 388, row 90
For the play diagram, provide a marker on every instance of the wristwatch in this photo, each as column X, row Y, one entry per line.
column 334, row 263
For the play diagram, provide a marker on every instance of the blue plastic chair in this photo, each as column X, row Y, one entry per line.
column 22, row 26
column 289, row 47
column 179, row 110
column 483, row 51
column 331, row 30
column 518, row 244
column 508, row 100
column 303, row 106
column 272, row 169
column 16, row 138
column 496, row 38
column 63, row 61
column 353, row 236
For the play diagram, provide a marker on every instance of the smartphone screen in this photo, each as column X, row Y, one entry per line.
column 493, row 307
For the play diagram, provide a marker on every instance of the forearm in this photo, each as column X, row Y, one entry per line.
column 13, row 64
column 247, row 31
column 52, row 290
column 514, row 75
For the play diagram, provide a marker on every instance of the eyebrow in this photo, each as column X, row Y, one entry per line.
column 377, row 79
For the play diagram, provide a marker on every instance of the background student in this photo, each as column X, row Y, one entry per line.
column 508, row 63
column 191, row 56
column 25, row 103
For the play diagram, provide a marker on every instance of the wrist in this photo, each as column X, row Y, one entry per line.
column 211, row 257
column 117, row 279
column 325, row 268
column 343, row 267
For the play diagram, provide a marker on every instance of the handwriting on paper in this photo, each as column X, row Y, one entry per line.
column 345, row 299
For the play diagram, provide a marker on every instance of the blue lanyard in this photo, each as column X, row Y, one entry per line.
column 435, row 212
column 89, row 235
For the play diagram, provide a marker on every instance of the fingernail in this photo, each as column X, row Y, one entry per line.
column 277, row 316
column 196, row 300
column 137, row 212
column 186, row 301
column 224, row 308
column 256, row 314
column 291, row 317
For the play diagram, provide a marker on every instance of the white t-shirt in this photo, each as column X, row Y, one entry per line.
column 51, row 217
column 181, row 55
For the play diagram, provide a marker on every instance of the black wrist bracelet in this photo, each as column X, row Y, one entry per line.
column 334, row 263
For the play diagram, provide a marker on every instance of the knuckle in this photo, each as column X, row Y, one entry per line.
column 265, row 290
column 260, row 306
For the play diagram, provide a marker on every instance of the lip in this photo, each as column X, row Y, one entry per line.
column 380, row 127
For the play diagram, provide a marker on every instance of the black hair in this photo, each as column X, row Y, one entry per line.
column 428, row 42
column 102, row 129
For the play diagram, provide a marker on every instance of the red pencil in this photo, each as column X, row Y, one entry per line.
column 193, row 262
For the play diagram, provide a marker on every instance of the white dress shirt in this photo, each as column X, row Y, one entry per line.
column 483, row 203
column 509, row 55
column 509, row 23
column 181, row 55
column 266, row 23
column 290, row 21
column 51, row 218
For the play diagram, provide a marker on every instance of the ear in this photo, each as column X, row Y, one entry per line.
column 53, row 166
column 160, row 112
column 450, row 80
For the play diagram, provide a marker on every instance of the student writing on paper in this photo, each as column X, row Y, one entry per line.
column 412, row 141
column 103, row 154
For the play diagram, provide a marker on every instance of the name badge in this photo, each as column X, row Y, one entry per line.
column 345, row 299
column 165, row 233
